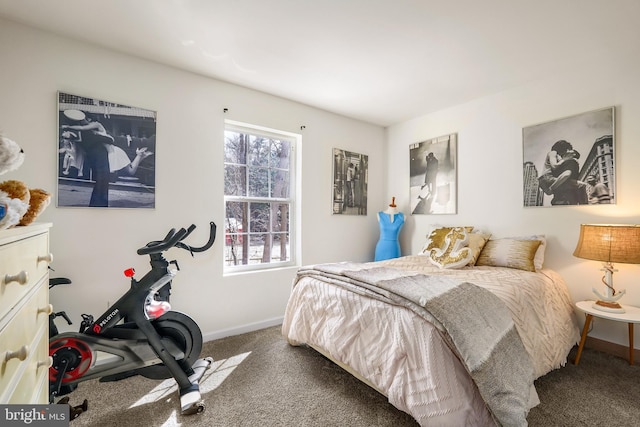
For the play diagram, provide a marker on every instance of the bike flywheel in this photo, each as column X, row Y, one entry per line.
column 71, row 355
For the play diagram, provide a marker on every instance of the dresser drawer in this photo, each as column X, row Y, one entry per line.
column 37, row 367
column 22, row 265
column 26, row 333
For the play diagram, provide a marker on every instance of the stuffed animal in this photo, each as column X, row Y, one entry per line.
column 21, row 204
column 11, row 155
column 38, row 202
column 14, row 196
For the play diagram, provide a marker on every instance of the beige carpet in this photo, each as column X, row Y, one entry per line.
column 260, row 380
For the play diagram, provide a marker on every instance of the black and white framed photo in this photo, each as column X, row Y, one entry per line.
column 350, row 178
column 106, row 154
column 433, row 175
column 570, row 161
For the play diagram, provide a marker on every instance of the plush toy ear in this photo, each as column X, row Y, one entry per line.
column 11, row 155
column 38, row 202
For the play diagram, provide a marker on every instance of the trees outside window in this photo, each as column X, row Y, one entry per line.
column 259, row 205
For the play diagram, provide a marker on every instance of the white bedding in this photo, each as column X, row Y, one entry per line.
column 407, row 359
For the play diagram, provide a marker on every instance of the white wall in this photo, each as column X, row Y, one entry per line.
column 490, row 169
column 94, row 246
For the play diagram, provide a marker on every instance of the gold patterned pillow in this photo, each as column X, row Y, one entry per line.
column 454, row 253
column 476, row 243
column 538, row 261
column 510, row 253
column 435, row 239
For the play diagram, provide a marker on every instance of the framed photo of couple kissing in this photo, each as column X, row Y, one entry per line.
column 570, row 161
column 106, row 154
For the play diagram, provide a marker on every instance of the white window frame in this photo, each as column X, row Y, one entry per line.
column 293, row 200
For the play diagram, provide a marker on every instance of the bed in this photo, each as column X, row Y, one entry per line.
column 450, row 346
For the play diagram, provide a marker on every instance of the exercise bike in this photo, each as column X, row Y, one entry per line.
column 139, row 333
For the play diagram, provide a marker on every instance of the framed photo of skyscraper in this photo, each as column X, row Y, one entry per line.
column 350, row 181
column 570, row 161
column 433, row 175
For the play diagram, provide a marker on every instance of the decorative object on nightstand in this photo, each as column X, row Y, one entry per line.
column 609, row 243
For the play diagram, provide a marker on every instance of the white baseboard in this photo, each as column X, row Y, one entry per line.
column 210, row 336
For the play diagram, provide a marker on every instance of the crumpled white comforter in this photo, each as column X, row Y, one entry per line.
column 407, row 359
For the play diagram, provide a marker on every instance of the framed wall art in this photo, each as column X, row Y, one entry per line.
column 106, row 154
column 433, row 175
column 350, row 178
column 570, row 161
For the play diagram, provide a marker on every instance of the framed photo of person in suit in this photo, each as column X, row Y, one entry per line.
column 433, row 175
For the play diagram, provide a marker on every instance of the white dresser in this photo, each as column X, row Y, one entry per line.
column 24, row 314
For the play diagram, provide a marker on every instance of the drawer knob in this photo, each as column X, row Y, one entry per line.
column 45, row 363
column 47, row 309
column 48, row 258
column 20, row 354
column 21, row 278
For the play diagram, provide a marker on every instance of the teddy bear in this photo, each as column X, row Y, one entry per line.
column 11, row 155
column 19, row 205
column 39, row 199
column 14, row 197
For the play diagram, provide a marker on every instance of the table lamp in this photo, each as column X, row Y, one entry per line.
column 609, row 243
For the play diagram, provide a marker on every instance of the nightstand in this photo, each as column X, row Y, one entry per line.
column 631, row 316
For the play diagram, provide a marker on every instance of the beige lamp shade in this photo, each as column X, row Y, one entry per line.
column 611, row 243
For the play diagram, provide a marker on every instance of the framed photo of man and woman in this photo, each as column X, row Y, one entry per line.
column 570, row 161
column 106, row 154
column 433, row 175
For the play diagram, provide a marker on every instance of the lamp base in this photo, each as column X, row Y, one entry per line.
column 612, row 307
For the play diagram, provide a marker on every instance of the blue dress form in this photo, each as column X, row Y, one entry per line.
column 388, row 246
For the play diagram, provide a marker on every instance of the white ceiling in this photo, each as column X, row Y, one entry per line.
column 381, row 61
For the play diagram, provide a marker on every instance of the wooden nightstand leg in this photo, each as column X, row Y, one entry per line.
column 631, row 343
column 585, row 330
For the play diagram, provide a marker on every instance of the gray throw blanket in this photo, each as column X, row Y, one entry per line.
column 475, row 322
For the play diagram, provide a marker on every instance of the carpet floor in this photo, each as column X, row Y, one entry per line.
column 258, row 379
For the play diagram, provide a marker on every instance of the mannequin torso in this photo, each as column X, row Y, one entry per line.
column 391, row 221
column 391, row 211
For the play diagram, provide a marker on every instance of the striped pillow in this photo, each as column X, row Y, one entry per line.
column 510, row 253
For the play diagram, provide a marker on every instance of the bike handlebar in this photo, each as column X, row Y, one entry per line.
column 174, row 239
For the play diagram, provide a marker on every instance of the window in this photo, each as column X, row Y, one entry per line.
column 259, row 192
